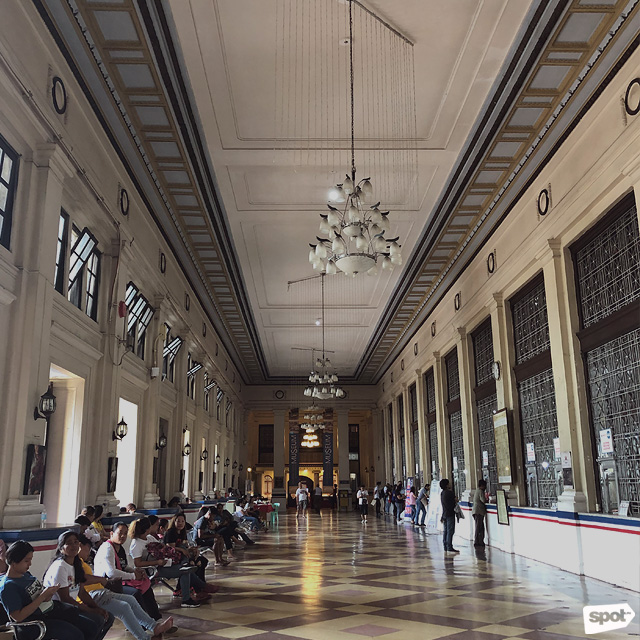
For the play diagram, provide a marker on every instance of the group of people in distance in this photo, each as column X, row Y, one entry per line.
column 94, row 578
column 390, row 498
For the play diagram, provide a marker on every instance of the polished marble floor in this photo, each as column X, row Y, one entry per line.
column 330, row 577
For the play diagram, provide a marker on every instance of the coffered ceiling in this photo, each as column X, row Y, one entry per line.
column 187, row 89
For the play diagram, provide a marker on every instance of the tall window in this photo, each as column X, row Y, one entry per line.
column 8, row 183
column 536, row 393
column 61, row 252
column 607, row 268
column 265, row 444
column 392, row 449
column 403, row 451
column 454, row 412
column 415, row 436
column 191, row 377
column 219, row 397
column 139, row 314
column 207, row 391
column 430, row 419
column 486, row 401
column 171, row 347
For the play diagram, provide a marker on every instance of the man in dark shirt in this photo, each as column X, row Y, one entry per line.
column 448, row 500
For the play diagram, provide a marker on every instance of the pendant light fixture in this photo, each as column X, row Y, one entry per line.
column 355, row 231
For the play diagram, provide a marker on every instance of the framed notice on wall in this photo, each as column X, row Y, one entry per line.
column 503, row 446
column 501, row 507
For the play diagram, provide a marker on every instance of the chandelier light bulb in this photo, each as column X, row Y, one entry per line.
column 312, row 254
column 386, row 263
column 354, row 214
column 396, row 259
column 331, row 268
column 367, row 189
column 384, row 223
column 376, row 230
column 325, row 227
column 379, row 243
column 321, row 250
column 361, row 243
column 333, row 218
column 394, row 249
column 348, row 185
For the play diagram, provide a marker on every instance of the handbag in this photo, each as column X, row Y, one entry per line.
column 425, row 501
column 458, row 511
column 142, row 584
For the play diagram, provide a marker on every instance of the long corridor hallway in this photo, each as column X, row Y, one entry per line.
column 331, row 577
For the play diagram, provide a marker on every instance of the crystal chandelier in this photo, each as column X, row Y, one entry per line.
column 355, row 241
column 323, row 381
column 314, row 421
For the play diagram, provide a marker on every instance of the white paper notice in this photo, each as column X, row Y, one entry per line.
column 531, row 452
column 606, row 441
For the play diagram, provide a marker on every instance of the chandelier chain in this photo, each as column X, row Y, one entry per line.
column 353, row 134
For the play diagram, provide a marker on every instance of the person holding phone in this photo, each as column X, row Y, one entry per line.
column 25, row 599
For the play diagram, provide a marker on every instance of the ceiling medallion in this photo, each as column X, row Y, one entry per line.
column 355, row 231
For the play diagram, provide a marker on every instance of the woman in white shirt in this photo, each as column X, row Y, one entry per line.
column 363, row 501
column 112, row 561
column 67, row 572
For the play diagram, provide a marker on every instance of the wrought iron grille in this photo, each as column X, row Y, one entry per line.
column 416, row 452
column 453, row 377
column 430, row 385
column 393, row 460
column 413, row 403
column 457, row 448
column 613, row 371
column 530, row 324
column 433, row 445
column 403, row 456
column 484, row 410
column 483, row 354
column 608, row 269
column 401, row 412
column 539, row 425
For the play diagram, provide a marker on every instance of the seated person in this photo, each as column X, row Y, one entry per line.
column 242, row 516
column 96, row 523
column 176, row 537
column 112, row 561
column 25, row 599
column 124, row 607
column 140, row 538
column 174, row 503
column 3, row 558
column 66, row 572
column 205, row 534
column 132, row 510
column 84, row 526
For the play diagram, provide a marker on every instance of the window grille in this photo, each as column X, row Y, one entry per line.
column 457, row 451
column 8, row 183
column 453, row 377
column 484, row 411
column 433, row 445
column 483, row 353
column 61, row 252
column 530, row 324
column 93, row 277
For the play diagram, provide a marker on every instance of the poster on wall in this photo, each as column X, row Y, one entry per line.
column 407, row 490
column 503, row 447
column 501, row 507
column 327, row 459
column 34, row 470
column 434, row 512
column 112, row 474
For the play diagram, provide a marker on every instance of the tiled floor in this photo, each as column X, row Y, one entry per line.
column 332, row 578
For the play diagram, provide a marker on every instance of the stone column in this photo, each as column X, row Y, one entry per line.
column 279, row 493
column 565, row 359
column 423, row 434
column 444, row 442
column 386, row 434
column 507, row 394
column 28, row 336
column 408, row 433
column 397, row 450
column 343, row 449
column 470, row 436
column 378, row 445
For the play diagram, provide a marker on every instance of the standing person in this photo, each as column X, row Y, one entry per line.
column 302, row 493
column 479, row 511
column 394, row 502
column 400, row 502
column 363, row 501
column 66, row 572
column 317, row 498
column 421, row 506
column 335, row 496
column 386, row 495
column 377, row 497
column 412, row 498
column 449, row 501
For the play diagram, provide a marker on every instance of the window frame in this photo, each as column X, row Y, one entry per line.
column 6, row 215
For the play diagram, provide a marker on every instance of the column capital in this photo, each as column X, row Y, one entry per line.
column 462, row 332
column 418, row 372
column 436, row 355
column 497, row 301
column 551, row 250
column 52, row 156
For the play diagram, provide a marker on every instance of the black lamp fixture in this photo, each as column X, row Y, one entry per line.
column 241, row 468
column 372, row 469
column 235, row 464
column 46, row 406
column 204, row 455
column 226, row 462
column 217, row 458
column 186, row 450
column 121, row 430
column 162, row 441
column 366, row 469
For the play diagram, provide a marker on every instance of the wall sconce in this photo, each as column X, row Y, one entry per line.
column 46, row 406
column 372, row 469
column 120, row 431
column 248, row 469
column 235, row 464
column 186, row 450
column 217, row 458
column 204, row 455
column 226, row 462
column 366, row 469
column 162, row 441
column 241, row 468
